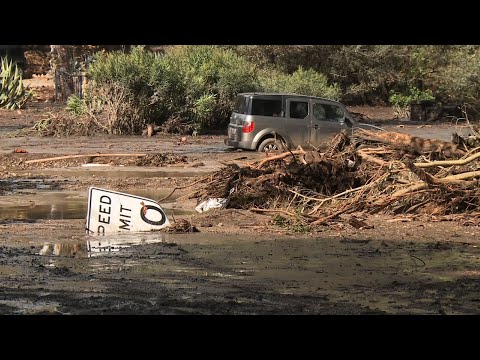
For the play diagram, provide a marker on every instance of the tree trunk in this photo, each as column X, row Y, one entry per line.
column 62, row 67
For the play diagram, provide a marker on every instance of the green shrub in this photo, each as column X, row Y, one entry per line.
column 208, row 75
column 196, row 84
column 204, row 107
column 75, row 105
column 401, row 102
column 459, row 80
column 306, row 82
column 130, row 86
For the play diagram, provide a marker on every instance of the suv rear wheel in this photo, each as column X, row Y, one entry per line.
column 270, row 144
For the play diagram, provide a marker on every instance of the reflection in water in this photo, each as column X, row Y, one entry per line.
column 73, row 210
column 65, row 249
column 100, row 245
column 67, row 206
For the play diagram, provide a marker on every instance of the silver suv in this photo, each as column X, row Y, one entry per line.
column 269, row 121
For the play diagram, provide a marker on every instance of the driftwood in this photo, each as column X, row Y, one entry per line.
column 448, row 162
column 273, row 211
column 79, row 156
column 422, row 185
column 179, row 188
column 367, row 157
column 462, row 176
column 279, row 157
column 409, row 142
column 324, row 220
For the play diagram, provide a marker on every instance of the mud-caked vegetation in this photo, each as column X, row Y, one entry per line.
column 189, row 89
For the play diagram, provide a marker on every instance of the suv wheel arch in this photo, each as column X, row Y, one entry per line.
column 271, row 143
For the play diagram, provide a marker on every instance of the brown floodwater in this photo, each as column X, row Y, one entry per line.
column 56, row 205
column 208, row 273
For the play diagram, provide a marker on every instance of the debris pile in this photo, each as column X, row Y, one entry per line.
column 21, row 159
column 64, row 124
column 367, row 171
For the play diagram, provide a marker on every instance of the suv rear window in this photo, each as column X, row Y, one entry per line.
column 266, row 107
column 241, row 105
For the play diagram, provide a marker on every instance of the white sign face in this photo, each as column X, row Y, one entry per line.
column 111, row 211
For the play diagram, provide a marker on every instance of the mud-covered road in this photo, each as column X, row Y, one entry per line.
column 238, row 263
column 47, row 269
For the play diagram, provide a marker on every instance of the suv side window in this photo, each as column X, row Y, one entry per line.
column 266, row 107
column 327, row 112
column 298, row 109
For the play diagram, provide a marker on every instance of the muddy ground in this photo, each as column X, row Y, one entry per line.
column 238, row 262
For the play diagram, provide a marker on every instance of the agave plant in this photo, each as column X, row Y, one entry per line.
column 12, row 93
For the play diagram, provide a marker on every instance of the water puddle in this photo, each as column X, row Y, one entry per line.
column 49, row 205
column 5, row 129
column 14, row 185
column 95, row 246
column 31, row 307
column 8, row 270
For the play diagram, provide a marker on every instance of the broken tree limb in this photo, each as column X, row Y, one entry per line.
column 280, row 156
column 448, row 162
column 322, row 221
column 302, row 157
column 79, row 156
column 363, row 187
column 462, row 176
column 421, row 185
column 371, row 158
column 379, row 150
column 430, row 179
column 274, row 210
column 181, row 187
column 409, row 142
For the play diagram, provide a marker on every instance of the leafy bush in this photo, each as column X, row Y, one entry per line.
column 459, row 80
column 401, row 102
column 306, row 82
column 128, row 85
column 209, row 78
column 204, row 107
column 75, row 105
column 172, row 83
column 196, row 84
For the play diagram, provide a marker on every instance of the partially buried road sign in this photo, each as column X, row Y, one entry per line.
column 111, row 211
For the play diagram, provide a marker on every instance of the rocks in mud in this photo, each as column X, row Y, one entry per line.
column 182, row 226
